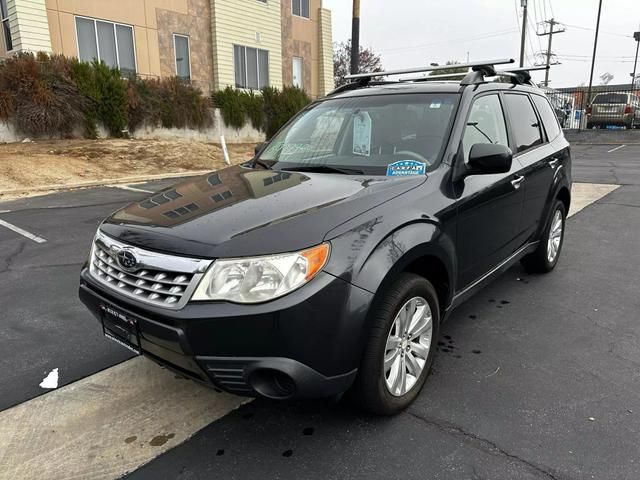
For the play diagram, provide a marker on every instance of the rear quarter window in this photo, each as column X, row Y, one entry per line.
column 549, row 119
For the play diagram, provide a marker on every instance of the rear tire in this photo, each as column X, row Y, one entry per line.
column 401, row 343
column 545, row 257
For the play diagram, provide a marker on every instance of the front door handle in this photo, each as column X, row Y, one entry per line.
column 517, row 181
column 553, row 163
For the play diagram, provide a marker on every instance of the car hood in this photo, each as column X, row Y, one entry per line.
column 240, row 211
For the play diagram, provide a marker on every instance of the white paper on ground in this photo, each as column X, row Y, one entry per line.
column 51, row 380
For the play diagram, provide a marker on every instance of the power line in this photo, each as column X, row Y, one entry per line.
column 552, row 23
column 580, row 27
column 479, row 37
column 535, row 33
column 606, row 57
column 535, row 11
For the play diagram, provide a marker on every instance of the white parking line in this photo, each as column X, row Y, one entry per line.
column 131, row 189
column 106, row 425
column 617, row 148
column 22, row 232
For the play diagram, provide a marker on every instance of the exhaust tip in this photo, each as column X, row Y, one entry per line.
column 272, row 384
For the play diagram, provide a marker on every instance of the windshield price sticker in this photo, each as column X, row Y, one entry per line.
column 362, row 134
column 405, row 168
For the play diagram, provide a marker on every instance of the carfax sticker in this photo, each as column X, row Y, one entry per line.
column 405, row 168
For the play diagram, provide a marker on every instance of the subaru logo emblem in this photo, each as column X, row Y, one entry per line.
column 127, row 260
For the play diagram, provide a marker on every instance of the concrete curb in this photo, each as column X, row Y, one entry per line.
column 603, row 137
column 101, row 183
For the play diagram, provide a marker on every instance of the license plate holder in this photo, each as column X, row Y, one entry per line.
column 121, row 328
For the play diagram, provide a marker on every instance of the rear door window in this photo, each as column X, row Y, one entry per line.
column 548, row 116
column 524, row 122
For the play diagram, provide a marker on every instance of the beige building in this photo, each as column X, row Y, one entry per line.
column 214, row 43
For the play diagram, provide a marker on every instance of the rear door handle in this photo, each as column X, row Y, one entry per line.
column 554, row 162
column 517, row 181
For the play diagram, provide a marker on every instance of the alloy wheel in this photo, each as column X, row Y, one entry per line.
column 408, row 345
column 555, row 236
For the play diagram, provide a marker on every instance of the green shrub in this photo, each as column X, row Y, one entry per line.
column 267, row 111
column 281, row 106
column 168, row 102
column 254, row 108
column 107, row 93
column 232, row 105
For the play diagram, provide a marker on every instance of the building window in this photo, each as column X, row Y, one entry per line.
column 111, row 43
column 251, row 67
column 6, row 30
column 182, row 53
column 300, row 8
column 297, row 72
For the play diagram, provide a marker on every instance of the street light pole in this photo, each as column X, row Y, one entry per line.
column 355, row 37
column 524, row 31
column 636, row 36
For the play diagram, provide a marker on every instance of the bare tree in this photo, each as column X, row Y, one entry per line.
column 369, row 61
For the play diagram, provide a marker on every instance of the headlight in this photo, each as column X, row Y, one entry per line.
column 259, row 279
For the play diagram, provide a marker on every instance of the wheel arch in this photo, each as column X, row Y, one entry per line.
column 420, row 248
column 564, row 195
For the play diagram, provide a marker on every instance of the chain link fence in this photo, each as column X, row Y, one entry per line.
column 611, row 107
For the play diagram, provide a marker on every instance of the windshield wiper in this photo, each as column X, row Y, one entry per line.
column 262, row 163
column 475, row 125
column 324, row 169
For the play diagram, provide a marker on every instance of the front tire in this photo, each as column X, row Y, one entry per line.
column 546, row 256
column 400, row 347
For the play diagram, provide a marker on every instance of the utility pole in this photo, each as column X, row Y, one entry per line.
column 355, row 37
column 552, row 23
column 593, row 59
column 636, row 36
column 523, row 3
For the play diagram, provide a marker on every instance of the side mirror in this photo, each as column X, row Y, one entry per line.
column 258, row 148
column 486, row 158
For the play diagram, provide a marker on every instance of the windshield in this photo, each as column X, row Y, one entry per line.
column 370, row 135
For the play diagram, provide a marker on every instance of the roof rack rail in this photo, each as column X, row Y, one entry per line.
column 501, row 61
column 365, row 82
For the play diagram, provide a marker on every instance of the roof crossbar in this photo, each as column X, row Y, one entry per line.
column 502, row 61
column 521, row 75
column 477, row 75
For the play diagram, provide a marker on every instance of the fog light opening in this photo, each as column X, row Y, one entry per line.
column 272, row 384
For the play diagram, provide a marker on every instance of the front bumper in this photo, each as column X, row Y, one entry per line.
column 306, row 344
column 613, row 119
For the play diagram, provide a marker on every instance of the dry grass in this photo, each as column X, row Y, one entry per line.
column 37, row 165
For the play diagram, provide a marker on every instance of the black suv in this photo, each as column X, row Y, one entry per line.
column 329, row 262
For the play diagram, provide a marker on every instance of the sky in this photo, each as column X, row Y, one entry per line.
column 409, row 33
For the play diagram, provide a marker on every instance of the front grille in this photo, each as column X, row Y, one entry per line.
column 158, row 279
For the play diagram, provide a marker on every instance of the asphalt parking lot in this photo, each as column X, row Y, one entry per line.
column 537, row 376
